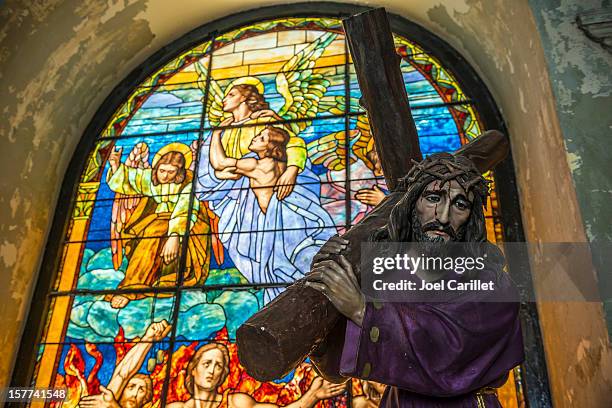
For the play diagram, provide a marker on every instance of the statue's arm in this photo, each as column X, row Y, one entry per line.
column 414, row 346
column 327, row 354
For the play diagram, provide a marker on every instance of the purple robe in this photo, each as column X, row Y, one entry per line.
column 430, row 354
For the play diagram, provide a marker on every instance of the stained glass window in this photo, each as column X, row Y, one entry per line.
column 208, row 192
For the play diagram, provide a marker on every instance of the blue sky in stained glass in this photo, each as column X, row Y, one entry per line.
column 168, row 111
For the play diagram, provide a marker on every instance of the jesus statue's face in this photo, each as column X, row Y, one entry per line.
column 442, row 211
column 166, row 173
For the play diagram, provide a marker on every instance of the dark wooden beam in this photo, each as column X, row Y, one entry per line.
column 383, row 92
column 281, row 335
column 277, row 338
column 487, row 150
column 301, row 320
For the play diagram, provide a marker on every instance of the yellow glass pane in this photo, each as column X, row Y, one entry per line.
column 233, row 72
column 330, row 61
column 258, row 69
column 507, row 394
column 259, row 42
column 271, row 55
column 291, row 37
column 337, row 47
column 234, row 59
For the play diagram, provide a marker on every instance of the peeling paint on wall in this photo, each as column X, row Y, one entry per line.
column 571, row 53
column 8, row 254
column 50, row 89
column 580, row 74
column 574, row 161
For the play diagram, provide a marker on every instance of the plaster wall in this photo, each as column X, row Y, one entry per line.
column 579, row 71
column 60, row 59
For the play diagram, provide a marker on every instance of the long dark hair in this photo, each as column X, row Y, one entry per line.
column 445, row 168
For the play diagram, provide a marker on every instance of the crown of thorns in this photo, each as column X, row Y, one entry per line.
column 446, row 167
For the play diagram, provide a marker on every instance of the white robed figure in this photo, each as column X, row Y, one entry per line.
column 269, row 240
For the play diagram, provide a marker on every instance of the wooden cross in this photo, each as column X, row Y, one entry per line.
column 278, row 338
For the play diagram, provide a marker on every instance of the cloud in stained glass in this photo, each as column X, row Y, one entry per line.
column 92, row 319
column 201, row 315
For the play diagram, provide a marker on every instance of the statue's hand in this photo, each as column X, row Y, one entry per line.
column 333, row 246
column 338, row 283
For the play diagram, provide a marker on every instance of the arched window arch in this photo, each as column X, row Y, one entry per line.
column 163, row 253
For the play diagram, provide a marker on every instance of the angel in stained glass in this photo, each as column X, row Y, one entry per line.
column 366, row 175
column 242, row 111
column 271, row 238
column 150, row 216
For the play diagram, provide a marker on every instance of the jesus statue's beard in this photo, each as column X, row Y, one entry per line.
column 419, row 232
column 434, row 245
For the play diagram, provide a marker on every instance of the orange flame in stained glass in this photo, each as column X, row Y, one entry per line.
column 93, row 383
column 238, row 381
column 157, row 378
column 121, row 345
column 76, row 385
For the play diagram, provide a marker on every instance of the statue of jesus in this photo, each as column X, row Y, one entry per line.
column 431, row 354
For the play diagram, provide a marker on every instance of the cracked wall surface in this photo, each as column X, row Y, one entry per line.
column 60, row 59
column 581, row 79
column 513, row 63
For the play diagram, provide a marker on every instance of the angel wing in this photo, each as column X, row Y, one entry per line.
column 214, row 104
column 125, row 205
column 300, row 86
column 330, row 150
column 365, row 142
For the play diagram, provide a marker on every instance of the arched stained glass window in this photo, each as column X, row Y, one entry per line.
column 183, row 226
